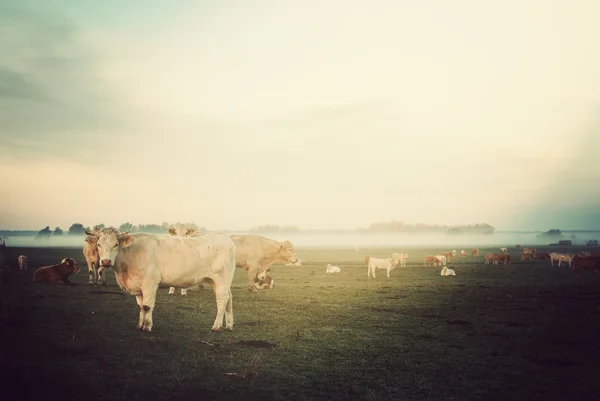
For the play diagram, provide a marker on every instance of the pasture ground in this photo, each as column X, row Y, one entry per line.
column 526, row 331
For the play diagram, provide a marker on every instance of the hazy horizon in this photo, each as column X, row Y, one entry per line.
column 323, row 115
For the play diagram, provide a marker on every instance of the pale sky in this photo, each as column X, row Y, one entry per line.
column 314, row 113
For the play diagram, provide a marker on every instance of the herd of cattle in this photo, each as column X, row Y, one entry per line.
column 187, row 259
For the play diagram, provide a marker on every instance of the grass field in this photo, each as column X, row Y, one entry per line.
column 526, row 331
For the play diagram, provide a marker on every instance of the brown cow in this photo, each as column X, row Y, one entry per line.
column 526, row 256
column 490, row 258
column 264, row 281
column 528, row 250
column 56, row 274
column 448, row 255
column 431, row 260
column 475, row 252
column 580, row 262
column 90, row 252
column 542, row 256
column 502, row 257
column 23, row 262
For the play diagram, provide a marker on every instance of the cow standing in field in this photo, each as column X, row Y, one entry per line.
column 589, row 262
column 502, row 257
column 56, row 274
column 542, row 256
column 332, row 269
column 503, row 250
column 490, row 258
column 526, row 256
column 23, row 262
column 561, row 257
column 463, row 253
column 387, row 264
column 441, row 259
column 431, row 260
column 90, row 252
column 400, row 258
column 475, row 252
column 144, row 261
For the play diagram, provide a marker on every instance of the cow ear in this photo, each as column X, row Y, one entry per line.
column 88, row 232
column 125, row 240
column 172, row 232
column 92, row 239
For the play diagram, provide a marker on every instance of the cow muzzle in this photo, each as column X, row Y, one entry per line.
column 106, row 263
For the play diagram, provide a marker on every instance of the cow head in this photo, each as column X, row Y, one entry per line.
column 287, row 253
column 109, row 241
column 182, row 231
column 71, row 264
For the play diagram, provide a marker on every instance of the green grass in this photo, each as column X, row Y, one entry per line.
column 526, row 331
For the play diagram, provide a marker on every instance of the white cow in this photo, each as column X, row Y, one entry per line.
column 561, row 257
column 401, row 258
column 332, row 269
column 447, row 272
column 442, row 259
column 503, row 250
column 387, row 264
column 463, row 253
column 144, row 261
column 22, row 259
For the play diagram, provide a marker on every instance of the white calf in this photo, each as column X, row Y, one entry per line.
column 387, row 264
column 332, row 269
column 447, row 272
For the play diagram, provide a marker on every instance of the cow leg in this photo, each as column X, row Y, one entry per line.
column 148, row 299
column 171, row 290
column 139, row 299
column 91, row 271
column 229, row 312
column 223, row 296
column 100, row 275
column 184, row 291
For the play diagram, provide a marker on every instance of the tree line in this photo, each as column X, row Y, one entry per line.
column 79, row 229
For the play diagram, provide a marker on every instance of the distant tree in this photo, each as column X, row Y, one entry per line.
column 126, row 227
column 45, row 233
column 57, row 231
column 77, row 229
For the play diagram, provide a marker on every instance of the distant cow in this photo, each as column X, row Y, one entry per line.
column 448, row 255
column 431, row 260
column 332, row 269
column 56, row 274
column 23, row 261
column 502, row 257
column 490, row 258
column 542, row 256
column 463, row 253
column 144, row 261
column 528, row 250
column 503, row 250
column 578, row 263
column 264, row 281
column 518, row 246
column 90, row 252
column 447, row 272
column 475, row 252
column 561, row 257
column 387, row 264
column 401, row 258
column 441, row 260
column 526, row 256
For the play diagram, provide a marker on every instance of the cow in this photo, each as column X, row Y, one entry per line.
column 561, row 257
column 502, row 257
column 90, row 252
column 518, row 246
column 256, row 254
column 441, row 260
column 528, row 250
column 23, row 261
column 332, row 269
column 463, row 253
column 579, row 262
column 447, row 272
column 400, row 258
column 448, row 255
column 475, row 252
column 526, row 256
column 387, row 264
column 429, row 260
column 264, row 281
column 144, row 261
column 490, row 258
column 503, row 250
column 56, row 274
column 542, row 256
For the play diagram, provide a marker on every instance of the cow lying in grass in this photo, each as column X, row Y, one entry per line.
column 447, row 272
column 56, row 274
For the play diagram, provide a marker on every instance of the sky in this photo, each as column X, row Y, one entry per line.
column 317, row 114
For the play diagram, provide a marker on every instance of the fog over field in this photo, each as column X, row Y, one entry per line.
column 351, row 239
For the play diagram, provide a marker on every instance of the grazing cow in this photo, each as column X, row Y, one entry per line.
column 490, row 258
column 90, row 252
column 463, row 253
column 503, row 250
column 561, row 257
column 264, row 281
column 518, row 246
column 528, row 250
column 400, row 258
column 502, row 257
column 255, row 254
column 475, row 252
column 441, row 260
column 431, row 260
column 542, row 256
column 447, row 272
column 526, row 256
column 448, row 255
column 23, row 261
column 332, row 269
column 144, row 261
column 56, row 274
column 579, row 262
column 387, row 264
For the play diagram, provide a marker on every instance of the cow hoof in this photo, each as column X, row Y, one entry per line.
column 215, row 330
